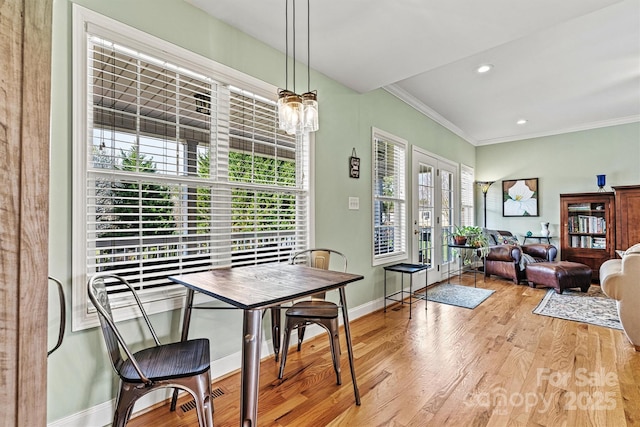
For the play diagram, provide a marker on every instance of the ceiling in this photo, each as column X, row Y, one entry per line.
column 563, row 65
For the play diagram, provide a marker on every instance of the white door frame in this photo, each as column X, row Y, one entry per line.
column 438, row 269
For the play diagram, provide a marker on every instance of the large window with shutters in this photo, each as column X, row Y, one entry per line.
column 179, row 167
column 389, row 198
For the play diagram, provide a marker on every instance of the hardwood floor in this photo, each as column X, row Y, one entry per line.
column 496, row 365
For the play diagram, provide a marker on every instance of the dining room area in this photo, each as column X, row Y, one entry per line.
column 297, row 288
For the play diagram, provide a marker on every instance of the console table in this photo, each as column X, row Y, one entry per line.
column 403, row 269
column 548, row 238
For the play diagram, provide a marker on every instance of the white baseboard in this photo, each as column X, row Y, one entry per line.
column 102, row 414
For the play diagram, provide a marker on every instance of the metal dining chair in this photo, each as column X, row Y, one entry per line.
column 182, row 365
column 316, row 310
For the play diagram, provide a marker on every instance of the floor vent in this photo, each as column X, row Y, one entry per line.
column 186, row 407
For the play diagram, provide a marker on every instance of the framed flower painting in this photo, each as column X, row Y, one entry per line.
column 520, row 197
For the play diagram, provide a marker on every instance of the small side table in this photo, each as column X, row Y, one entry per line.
column 461, row 268
column 548, row 238
column 409, row 269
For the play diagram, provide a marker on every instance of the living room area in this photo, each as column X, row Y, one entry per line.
column 500, row 363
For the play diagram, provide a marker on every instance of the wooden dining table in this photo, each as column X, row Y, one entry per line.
column 254, row 289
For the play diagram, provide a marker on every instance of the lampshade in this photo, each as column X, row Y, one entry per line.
column 290, row 112
column 602, row 179
column 484, row 185
column 310, row 111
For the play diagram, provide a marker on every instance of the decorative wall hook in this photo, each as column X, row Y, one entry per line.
column 354, row 164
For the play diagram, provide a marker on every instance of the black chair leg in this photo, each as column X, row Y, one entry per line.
column 285, row 349
column 301, row 329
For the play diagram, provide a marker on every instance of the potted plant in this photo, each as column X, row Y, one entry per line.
column 477, row 239
column 459, row 234
column 471, row 235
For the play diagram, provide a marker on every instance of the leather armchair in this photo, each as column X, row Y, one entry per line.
column 620, row 280
column 505, row 260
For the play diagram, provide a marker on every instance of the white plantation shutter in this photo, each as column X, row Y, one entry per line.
column 389, row 197
column 183, row 172
column 152, row 132
column 268, row 197
column 466, row 196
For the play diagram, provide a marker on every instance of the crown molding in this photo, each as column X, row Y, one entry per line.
column 424, row 109
column 579, row 128
column 420, row 106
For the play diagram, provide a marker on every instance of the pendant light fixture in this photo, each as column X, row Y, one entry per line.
column 297, row 114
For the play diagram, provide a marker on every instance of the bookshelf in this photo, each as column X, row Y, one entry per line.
column 588, row 229
column 627, row 215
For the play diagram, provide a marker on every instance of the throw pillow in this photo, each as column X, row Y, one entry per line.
column 508, row 240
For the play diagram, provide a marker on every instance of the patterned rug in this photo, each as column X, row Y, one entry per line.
column 592, row 307
column 461, row 296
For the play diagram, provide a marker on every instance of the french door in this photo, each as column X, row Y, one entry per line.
column 435, row 195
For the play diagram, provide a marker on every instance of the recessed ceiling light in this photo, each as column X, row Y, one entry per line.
column 484, row 68
column 521, row 121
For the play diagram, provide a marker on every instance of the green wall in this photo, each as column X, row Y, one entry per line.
column 566, row 163
column 80, row 376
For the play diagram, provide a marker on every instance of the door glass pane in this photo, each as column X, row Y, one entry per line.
column 425, row 214
column 448, row 212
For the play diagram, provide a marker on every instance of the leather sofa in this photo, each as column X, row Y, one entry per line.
column 620, row 280
column 506, row 260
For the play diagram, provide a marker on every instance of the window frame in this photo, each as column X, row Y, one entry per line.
column 399, row 252
column 470, row 195
column 168, row 297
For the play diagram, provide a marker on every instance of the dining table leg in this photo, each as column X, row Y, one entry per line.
column 347, row 333
column 250, row 370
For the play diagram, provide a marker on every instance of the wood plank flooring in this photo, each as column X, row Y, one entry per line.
column 496, row 365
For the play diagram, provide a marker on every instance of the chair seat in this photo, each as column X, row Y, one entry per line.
column 168, row 361
column 315, row 308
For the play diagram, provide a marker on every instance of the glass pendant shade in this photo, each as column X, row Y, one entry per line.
column 290, row 112
column 310, row 111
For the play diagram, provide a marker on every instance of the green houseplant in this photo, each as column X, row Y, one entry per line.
column 471, row 235
column 459, row 234
column 478, row 239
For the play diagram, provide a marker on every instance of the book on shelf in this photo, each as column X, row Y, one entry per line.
column 577, row 207
column 587, row 224
column 599, row 243
column 588, row 242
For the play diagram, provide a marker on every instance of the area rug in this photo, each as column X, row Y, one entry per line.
column 592, row 307
column 461, row 296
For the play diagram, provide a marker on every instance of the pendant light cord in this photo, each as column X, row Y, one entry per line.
column 294, row 46
column 286, row 44
column 308, row 45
